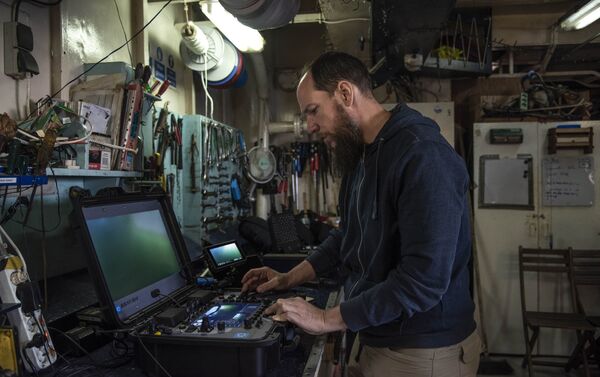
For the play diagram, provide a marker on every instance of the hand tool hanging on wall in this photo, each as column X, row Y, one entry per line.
column 163, row 143
column 203, row 137
column 179, row 138
column 147, row 72
column 137, row 72
column 219, row 143
column 155, row 85
column 214, row 148
column 154, row 125
column 163, row 88
column 314, row 160
column 325, row 169
column 205, row 151
column 193, row 152
column 173, row 140
column 298, row 175
column 161, row 123
column 209, row 193
column 171, row 186
column 294, row 200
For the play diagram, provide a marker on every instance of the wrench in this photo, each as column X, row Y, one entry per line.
column 210, row 220
column 209, row 193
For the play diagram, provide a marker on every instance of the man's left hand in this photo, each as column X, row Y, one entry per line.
column 308, row 317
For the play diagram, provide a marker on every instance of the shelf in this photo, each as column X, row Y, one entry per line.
column 63, row 172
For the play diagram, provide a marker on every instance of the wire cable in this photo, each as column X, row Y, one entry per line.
column 207, row 95
column 354, row 19
column 15, row 248
column 44, row 259
column 55, row 227
column 17, row 4
column 28, row 360
column 151, row 355
column 88, row 134
column 48, row 4
column 49, row 98
column 124, row 32
column 105, row 364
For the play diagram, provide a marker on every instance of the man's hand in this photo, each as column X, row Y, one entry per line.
column 306, row 316
column 264, row 279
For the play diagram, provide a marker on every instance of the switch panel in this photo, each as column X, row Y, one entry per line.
column 18, row 44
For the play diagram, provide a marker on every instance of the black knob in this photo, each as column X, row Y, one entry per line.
column 221, row 326
column 205, row 325
column 247, row 323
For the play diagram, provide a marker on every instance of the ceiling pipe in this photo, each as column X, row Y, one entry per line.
column 262, row 91
column 262, row 14
column 297, row 126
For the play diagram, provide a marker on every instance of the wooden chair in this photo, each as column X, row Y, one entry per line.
column 585, row 272
column 539, row 261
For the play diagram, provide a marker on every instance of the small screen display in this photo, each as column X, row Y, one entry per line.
column 225, row 254
column 228, row 313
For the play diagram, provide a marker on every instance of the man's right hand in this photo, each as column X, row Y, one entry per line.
column 264, row 279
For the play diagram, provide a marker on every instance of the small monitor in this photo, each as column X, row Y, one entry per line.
column 224, row 256
column 135, row 249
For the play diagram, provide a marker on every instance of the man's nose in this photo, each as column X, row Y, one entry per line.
column 312, row 126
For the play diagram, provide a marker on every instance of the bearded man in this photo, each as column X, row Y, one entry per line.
column 404, row 242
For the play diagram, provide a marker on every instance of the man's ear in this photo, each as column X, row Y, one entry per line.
column 346, row 92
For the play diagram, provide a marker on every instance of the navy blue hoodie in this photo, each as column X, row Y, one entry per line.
column 404, row 242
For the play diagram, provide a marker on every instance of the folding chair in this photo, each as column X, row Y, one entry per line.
column 585, row 272
column 539, row 261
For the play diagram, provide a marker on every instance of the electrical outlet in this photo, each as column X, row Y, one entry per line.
column 18, row 44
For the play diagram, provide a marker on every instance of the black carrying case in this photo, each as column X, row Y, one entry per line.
column 179, row 356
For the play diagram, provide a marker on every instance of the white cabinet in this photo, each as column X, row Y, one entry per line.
column 499, row 232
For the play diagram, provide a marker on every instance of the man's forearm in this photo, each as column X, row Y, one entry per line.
column 300, row 274
column 333, row 320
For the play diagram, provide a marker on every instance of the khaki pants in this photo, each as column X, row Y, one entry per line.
column 459, row 360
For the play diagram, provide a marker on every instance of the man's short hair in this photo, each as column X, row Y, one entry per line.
column 332, row 67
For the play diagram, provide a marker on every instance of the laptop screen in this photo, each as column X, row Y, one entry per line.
column 135, row 251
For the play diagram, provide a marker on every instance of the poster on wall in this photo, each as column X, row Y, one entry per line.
column 568, row 181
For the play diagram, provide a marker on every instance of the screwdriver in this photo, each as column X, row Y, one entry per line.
column 163, row 88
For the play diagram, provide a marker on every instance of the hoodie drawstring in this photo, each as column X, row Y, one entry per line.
column 374, row 212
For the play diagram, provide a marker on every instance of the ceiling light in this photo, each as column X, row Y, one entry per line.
column 244, row 38
column 582, row 16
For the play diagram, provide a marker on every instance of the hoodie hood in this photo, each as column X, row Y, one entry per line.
column 402, row 116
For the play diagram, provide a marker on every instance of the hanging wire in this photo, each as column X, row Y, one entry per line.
column 185, row 9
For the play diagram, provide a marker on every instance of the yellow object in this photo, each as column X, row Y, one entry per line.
column 8, row 352
column 447, row 52
column 13, row 263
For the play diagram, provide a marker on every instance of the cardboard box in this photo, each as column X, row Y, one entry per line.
column 99, row 159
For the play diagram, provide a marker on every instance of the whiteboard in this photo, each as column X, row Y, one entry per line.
column 568, row 181
column 506, row 182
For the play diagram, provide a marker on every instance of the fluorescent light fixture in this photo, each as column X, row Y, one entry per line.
column 582, row 16
column 243, row 38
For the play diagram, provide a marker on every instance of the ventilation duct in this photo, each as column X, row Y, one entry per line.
column 262, row 14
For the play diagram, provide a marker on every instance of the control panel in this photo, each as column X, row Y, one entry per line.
column 220, row 316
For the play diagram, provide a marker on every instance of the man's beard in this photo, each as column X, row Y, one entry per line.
column 348, row 142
